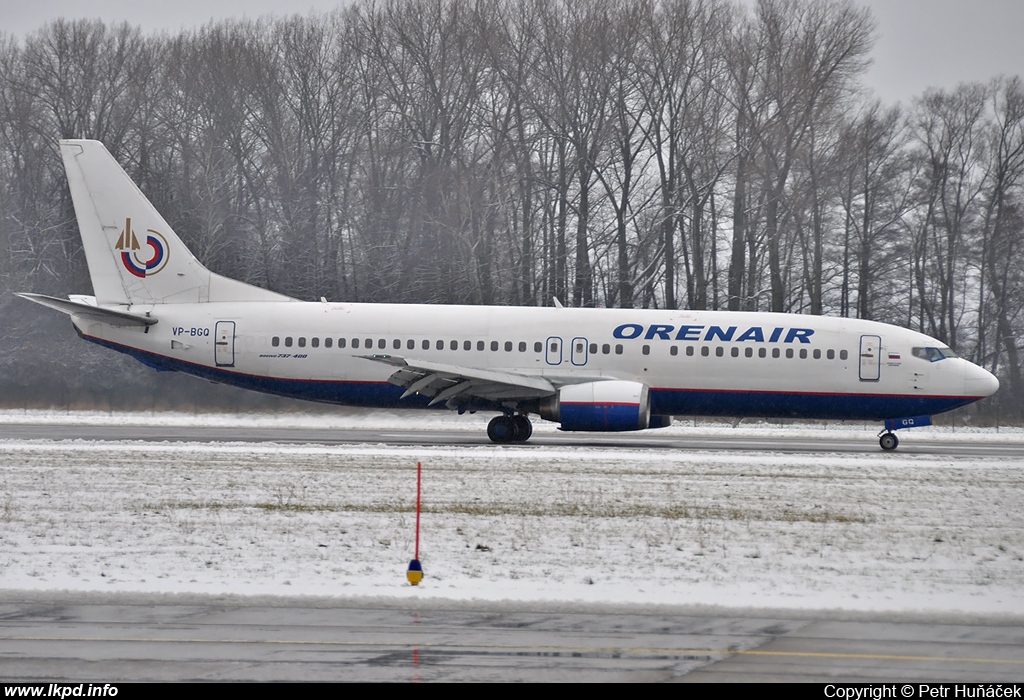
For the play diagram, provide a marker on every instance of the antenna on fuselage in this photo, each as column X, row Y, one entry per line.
column 558, row 304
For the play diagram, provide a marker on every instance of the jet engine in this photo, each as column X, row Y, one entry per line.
column 609, row 406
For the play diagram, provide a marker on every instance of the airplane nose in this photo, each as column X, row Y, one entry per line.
column 979, row 382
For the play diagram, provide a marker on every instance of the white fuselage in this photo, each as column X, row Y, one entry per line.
column 695, row 362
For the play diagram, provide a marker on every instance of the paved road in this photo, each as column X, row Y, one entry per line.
column 109, row 638
column 910, row 444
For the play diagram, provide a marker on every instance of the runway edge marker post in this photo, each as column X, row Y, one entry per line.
column 415, row 572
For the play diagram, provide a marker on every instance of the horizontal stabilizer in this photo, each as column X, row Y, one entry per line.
column 93, row 313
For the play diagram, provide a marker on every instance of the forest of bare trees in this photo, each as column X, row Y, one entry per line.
column 702, row 154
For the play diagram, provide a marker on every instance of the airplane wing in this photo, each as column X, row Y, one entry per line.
column 455, row 384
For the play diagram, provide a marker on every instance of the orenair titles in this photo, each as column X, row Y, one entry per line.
column 754, row 334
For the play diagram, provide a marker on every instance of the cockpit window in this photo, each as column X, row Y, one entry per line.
column 933, row 354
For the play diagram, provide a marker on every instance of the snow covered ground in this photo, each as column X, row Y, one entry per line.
column 866, row 531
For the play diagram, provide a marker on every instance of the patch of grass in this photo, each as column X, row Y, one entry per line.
column 7, row 508
column 563, row 510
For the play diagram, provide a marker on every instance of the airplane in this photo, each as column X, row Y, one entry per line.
column 597, row 370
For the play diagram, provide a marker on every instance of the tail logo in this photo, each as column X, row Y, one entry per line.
column 139, row 263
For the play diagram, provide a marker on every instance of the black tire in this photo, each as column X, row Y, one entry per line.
column 501, row 429
column 524, row 428
column 888, row 441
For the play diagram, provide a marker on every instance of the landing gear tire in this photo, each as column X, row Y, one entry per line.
column 524, row 428
column 503, row 429
column 888, row 441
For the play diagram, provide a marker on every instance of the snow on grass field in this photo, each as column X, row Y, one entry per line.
column 864, row 531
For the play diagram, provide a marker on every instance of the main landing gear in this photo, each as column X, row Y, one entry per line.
column 515, row 428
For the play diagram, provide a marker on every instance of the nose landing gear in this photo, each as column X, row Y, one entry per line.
column 515, row 428
column 887, row 438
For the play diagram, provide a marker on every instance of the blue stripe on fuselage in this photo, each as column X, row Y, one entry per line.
column 772, row 404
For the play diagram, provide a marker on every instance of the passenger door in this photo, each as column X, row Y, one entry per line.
column 224, row 344
column 870, row 358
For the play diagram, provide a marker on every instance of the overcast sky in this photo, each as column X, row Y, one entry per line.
column 921, row 43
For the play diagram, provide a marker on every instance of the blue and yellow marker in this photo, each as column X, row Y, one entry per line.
column 415, row 572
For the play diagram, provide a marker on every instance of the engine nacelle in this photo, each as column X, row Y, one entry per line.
column 610, row 406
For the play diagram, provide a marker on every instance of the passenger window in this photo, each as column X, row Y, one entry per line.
column 425, row 344
column 735, row 351
column 618, row 349
column 439, row 345
column 593, row 348
column 302, row 342
column 368, row 344
column 817, row 354
column 288, row 341
column 315, row 342
column 328, row 342
column 410, row 344
column 646, row 350
column 674, row 350
column 776, row 353
column 803, row 353
column 789, row 353
column 494, row 346
column 275, row 341
column 397, row 344
column 355, row 343
column 749, row 352
column 538, row 346
column 454, row 345
column 381, row 344
column 762, row 352
column 719, row 351
column 508, row 346
column 606, row 349
column 579, row 348
column 480, row 345
column 843, row 354
column 689, row 351
column 705, row 351
column 341, row 343
column 522, row 346
column 467, row 345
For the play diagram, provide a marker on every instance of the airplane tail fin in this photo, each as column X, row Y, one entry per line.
column 133, row 254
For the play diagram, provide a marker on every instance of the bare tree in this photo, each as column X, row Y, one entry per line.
column 949, row 131
column 1003, row 235
column 803, row 66
column 875, row 199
